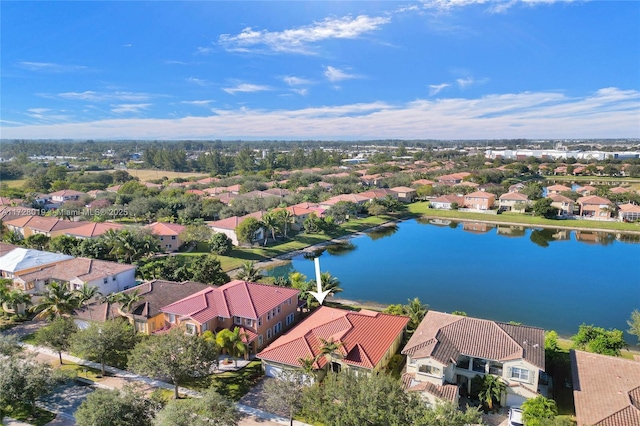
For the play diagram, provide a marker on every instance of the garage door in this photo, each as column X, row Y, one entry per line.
column 515, row 400
column 272, row 371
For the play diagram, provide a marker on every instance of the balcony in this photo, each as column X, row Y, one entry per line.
column 495, row 370
column 479, row 365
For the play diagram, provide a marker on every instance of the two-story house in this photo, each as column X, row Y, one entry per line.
column 450, row 350
column 365, row 342
column 479, row 200
column 565, row 205
column 168, row 234
column 262, row 312
column 514, row 201
column 595, row 207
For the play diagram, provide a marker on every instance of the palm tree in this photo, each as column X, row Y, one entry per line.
column 128, row 300
column 492, row 388
column 416, row 312
column 15, row 301
column 58, row 301
column 285, row 218
column 84, row 294
column 328, row 348
column 270, row 221
column 329, row 282
column 110, row 299
column 308, row 365
column 235, row 342
column 248, row 272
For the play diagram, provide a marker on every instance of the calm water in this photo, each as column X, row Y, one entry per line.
column 548, row 278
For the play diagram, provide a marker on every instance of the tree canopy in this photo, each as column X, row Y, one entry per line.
column 598, row 340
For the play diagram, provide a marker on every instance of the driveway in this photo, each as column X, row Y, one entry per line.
column 22, row 329
column 66, row 399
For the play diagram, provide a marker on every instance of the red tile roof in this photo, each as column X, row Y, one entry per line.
column 236, row 298
column 481, row 194
column 593, row 199
column 162, row 228
column 606, row 390
column 559, row 188
column 43, row 223
column 93, row 229
column 366, row 336
column 514, row 196
column 445, row 392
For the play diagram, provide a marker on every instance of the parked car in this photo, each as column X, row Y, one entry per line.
column 515, row 417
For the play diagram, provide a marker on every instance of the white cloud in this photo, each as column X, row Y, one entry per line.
column 127, row 108
column 607, row 113
column 196, row 81
column 434, row 89
column 334, row 74
column 204, row 50
column 246, row 88
column 298, row 40
column 91, row 96
column 296, row 81
column 50, row 67
column 466, row 82
column 127, row 45
column 494, row 6
column 197, row 103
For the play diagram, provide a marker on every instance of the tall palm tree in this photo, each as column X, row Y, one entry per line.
column 416, row 311
column 16, row 301
column 128, row 300
column 285, row 218
column 234, row 341
column 308, row 365
column 84, row 295
column 58, row 301
column 329, row 282
column 270, row 221
column 328, row 348
column 248, row 272
column 492, row 388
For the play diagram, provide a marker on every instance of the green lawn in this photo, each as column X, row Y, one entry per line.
column 515, row 218
column 23, row 414
column 81, row 371
column 232, row 384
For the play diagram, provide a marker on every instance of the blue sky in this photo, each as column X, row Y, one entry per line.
column 438, row 69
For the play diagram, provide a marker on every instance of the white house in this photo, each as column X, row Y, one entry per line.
column 450, row 350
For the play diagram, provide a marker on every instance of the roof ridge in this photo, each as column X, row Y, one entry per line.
column 253, row 305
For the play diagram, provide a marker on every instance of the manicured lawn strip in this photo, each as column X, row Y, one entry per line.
column 29, row 339
column 23, row 414
column 526, row 220
column 93, row 374
column 232, row 384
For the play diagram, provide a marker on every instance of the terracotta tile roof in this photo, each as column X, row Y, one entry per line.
column 67, row 193
column 80, row 268
column 559, row 188
column 236, row 298
column 162, row 228
column 593, row 199
column 365, row 336
column 445, row 392
column 402, row 189
column 629, row 208
column 481, row 194
column 620, row 190
column 453, row 177
column 449, row 199
column 444, row 337
column 278, row 191
column 606, row 390
column 422, row 182
column 207, row 181
column 93, row 229
column 216, row 190
column 586, row 188
column 43, row 223
column 378, row 193
column 514, row 196
column 226, row 197
column 557, row 198
column 354, row 198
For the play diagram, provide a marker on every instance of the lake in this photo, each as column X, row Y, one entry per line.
column 554, row 279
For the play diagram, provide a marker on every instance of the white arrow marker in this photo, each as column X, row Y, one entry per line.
column 319, row 295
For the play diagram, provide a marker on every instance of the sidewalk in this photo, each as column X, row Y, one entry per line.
column 121, row 377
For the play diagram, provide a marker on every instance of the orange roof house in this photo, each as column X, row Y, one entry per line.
column 168, row 234
column 556, row 189
column 261, row 311
column 367, row 341
column 92, row 229
column 49, row 226
column 479, row 200
column 606, row 390
column 595, row 207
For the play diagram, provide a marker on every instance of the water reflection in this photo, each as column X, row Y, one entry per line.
column 542, row 237
column 477, row 227
column 386, row 231
column 511, row 231
column 594, row 237
column 341, row 248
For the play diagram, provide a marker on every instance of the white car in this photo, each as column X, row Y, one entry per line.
column 515, row 417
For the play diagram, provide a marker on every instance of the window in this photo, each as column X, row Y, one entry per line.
column 268, row 315
column 221, row 318
column 105, row 280
column 289, row 301
column 260, row 322
column 479, row 365
column 31, row 285
column 237, row 320
column 278, row 308
column 172, row 318
column 520, row 374
column 191, row 328
column 140, row 326
column 273, row 313
column 429, row 369
column 248, row 323
column 290, row 319
column 113, row 278
column 463, row 362
column 277, row 327
column 173, row 237
column 260, row 340
column 268, row 333
column 204, row 327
